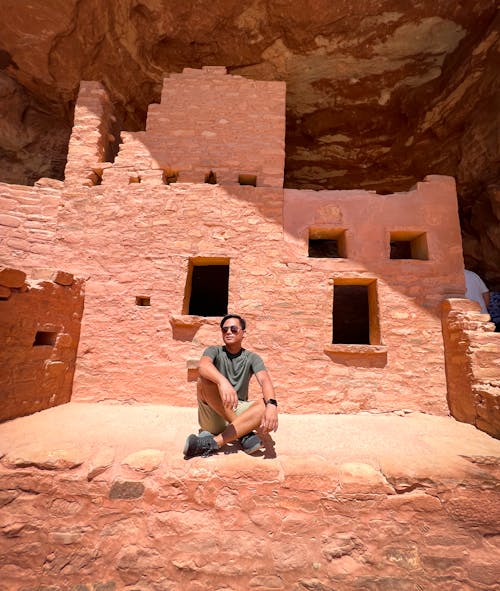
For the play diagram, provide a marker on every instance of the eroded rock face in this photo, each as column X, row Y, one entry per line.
column 379, row 93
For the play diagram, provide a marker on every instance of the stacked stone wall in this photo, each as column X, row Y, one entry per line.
column 28, row 220
column 94, row 136
column 39, row 332
column 207, row 122
column 138, row 240
column 472, row 352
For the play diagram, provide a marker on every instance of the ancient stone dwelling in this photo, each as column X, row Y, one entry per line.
column 115, row 280
column 342, row 289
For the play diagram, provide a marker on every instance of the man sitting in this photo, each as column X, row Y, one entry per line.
column 224, row 411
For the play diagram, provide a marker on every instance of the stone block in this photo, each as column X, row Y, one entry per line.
column 5, row 292
column 13, row 278
column 145, row 460
column 126, row 489
column 63, row 278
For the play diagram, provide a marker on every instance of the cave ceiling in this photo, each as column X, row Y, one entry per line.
column 379, row 92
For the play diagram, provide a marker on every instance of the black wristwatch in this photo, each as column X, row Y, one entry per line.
column 271, row 401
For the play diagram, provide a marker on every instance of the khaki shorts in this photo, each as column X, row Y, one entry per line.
column 210, row 421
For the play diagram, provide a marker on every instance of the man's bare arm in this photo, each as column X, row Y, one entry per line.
column 270, row 419
column 227, row 393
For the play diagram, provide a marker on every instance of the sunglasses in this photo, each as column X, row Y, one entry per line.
column 234, row 329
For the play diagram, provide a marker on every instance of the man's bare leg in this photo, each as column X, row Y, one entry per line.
column 239, row 425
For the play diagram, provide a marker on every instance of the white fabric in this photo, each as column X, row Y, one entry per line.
column 475, row 289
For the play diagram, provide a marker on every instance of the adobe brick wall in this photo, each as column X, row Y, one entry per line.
column 39, row 332
column 472, row 352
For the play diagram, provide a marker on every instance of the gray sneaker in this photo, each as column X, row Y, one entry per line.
column 251, row 442
column 200, row 445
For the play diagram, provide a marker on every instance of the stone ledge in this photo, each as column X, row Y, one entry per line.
column 147, row 441
column 336, row 502
column 339, row 349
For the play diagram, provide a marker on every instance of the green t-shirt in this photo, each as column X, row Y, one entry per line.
column 237, row 368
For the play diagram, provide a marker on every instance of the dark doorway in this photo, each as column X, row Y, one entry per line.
column 209, row 290
column 351, row 316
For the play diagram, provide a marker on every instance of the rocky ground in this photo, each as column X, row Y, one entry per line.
column 98, row 497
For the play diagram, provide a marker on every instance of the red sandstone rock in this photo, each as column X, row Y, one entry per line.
column 251, row 522
column 62, row 278
column 99, row 463
column 145, row 460
column 12, row 277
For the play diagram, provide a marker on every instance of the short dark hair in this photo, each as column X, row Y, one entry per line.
column 243, row 323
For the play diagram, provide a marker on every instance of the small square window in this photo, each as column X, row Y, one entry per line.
column 142, row 301
column 327, row 243
column 170, row 176
column 211, row 178
column 247, row 179
column 409, row 245
column 45, row 338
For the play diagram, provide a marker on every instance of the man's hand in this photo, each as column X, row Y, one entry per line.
column 228, row 395
column 270, row 419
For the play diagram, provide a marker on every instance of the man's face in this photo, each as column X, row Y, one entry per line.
column 232, row 333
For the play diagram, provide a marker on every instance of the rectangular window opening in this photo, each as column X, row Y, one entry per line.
column 207, row 287
column 247, row 179
column 142, row 301
column 355, row 313
column 409, row 245
column 45, row 338
column 327, row 243
column 134, row 179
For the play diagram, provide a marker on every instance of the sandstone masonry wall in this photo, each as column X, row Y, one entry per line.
column 207, row 122
column 28, row 220
column 39, row 332
column 138, row 234
column 135, row 240
column 92, row 140
column 472, row 352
